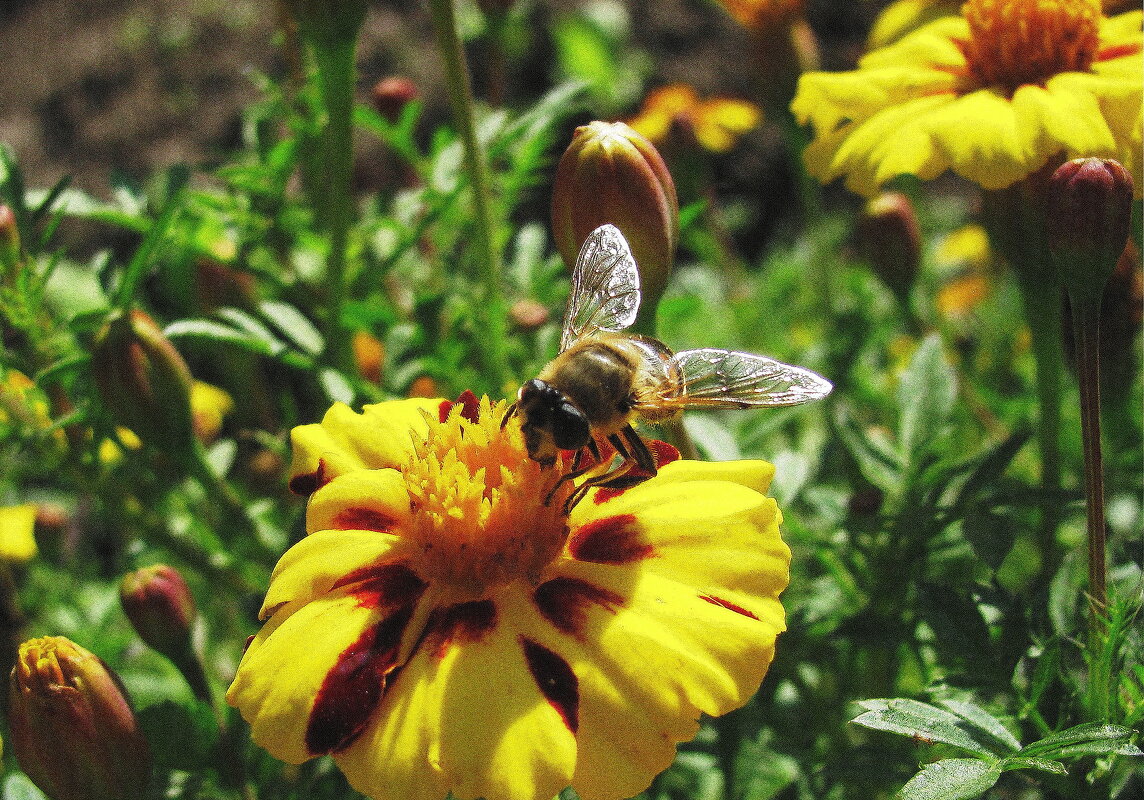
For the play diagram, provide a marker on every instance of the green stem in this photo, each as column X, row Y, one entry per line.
column 335, row 62
column 486, row 268
column 1042, row 303
column 1086, row 334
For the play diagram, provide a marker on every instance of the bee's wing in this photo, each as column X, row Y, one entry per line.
column 605, row 287
column 725, row 379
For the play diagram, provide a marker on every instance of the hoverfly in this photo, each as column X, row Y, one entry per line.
column 603, row 378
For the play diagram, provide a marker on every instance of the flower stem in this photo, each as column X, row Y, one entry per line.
column 1086, row 334
column 486, row 267
column 1042, row 301
column 335, row 62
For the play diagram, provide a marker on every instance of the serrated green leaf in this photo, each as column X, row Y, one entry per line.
column 983, row 721
column 877, row 466
column 1043, row 764
column 952, row 779
column 294, row 325
column 1089, row 739
column 926, row 395
column 914, row 718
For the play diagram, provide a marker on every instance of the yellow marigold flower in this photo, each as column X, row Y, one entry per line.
column 18, row 533
column 444, row 629
column 716, row 123
column 992, row 94
column 904, row 16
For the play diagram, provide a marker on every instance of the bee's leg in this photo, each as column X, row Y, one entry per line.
column 508, row 413
column 640, row 451
column 604, row 481
column 577, row 470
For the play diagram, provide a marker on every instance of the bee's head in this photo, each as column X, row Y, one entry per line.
column 549, row 421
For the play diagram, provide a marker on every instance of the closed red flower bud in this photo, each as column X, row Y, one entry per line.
column 72, row 727
column 890, row 240
column 391, row 95
column 611, row 174
column 9, row 239
column 159, row 604
column 144, row 382
column 1089, row 211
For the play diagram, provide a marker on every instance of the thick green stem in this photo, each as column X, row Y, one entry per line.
column 1086, row 334
column 1042, row 301
column 335, row 62
column 486, row 267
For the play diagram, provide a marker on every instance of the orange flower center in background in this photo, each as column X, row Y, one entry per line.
column 1017, row 42
column 478, row 500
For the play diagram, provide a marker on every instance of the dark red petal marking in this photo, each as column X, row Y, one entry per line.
column 611, row 540
column 353, row 688
column 443, row 409
column 470, row 407
column 1118, row 51
column 460, row 624
column 663, row 452
column 564, row 602
column 556, row 681
column 719, row 601
column 383, row 586
column 363, row 519
column 246, row 644
column 310, row 482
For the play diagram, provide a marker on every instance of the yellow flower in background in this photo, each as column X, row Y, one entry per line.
column 444, row 629
column 209, row 407
column 18, row 533
column 991, row 94
column 965, row 254
column 716, row 123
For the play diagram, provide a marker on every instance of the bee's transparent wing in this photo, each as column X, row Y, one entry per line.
column 605, row 287
column 725, row 379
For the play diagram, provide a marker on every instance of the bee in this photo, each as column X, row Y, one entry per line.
column 604, row 378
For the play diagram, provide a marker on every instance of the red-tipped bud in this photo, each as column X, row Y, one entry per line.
column 9, row 239
column 527, row 314
column 890, row 240
column 72, row 727
column 612, row 174
column 160, row 607
column 391, row 95
column 1089, row 211
column 144, row 382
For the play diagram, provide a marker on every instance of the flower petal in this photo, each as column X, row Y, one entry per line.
column 368, row 500
column 471, row 716
column 381, row 436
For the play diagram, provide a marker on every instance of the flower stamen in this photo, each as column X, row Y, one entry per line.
column 1014, row 43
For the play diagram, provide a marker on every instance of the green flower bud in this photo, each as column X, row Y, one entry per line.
column 72, row 727
column 1089, row 211
column 144, row 382
column 159, row 604
column 611, row 174
column 890, row 240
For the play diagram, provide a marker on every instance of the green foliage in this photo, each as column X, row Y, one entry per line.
column 911, row 496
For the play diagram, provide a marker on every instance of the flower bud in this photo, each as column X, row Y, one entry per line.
column 210, row 406
column 144, row 382
column 159, row 604
column 1089, row 211
column 17, row 533
column 611, row 174
column 72, row 727
column 890, row 240
column 369, row 355
column 9, row 239
column 391, row 95
column 528, row 314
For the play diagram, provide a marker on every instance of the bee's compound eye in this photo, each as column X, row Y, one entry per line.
column 530, row 389
column 570, row 429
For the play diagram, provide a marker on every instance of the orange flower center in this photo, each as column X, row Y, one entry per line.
column 480, row 516
column 1017, row 42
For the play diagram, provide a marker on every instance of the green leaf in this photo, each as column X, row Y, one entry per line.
column 213, row 331
column 983, row 721
column 1088, row 739
column 878, row 464
column 914, row 718
column 19, row 786
column 336, row 387
column 952, row 779
column 294, row 325
column 1043, row 764
column 926, row 396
